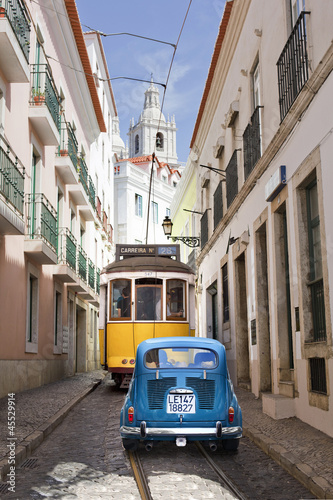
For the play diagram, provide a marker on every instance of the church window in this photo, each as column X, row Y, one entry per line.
column 159, row 141
column 138, row 205
column 136, row 144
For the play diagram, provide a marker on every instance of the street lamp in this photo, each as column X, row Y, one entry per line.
column 190, row 241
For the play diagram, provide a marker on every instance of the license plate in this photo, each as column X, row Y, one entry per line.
column 181, row 403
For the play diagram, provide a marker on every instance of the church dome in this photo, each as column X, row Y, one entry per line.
column 152, row 108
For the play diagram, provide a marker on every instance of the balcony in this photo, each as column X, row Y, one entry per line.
column 252, row 143
column 67, row 157
column 87, row 284
column 293, row 66
column 14, row 41
column 44, row 111
column 41, row 236
column 11, row 191
column 65, row 270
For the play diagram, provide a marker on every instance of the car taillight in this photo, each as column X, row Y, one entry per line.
column 124, row 361
column 130, row 413
column 231, row 414
column 132, row 361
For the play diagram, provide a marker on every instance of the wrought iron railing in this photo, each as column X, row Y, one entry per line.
column 91, row 274
column 92, row 193
column 98, row 281
column 204, row 229
column 11, row 178
column 68, row 143
column 318, row 310
column 232, row 179
column 41, row 220
column 43, row 90
column 83, row 175
column 293, row 66
column 218, row 204
column 15, row 12
column 252, row 143
column 67, row 248
column 82, row 264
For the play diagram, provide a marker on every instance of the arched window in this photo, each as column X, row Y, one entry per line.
column 159, row 141
column 136, row 144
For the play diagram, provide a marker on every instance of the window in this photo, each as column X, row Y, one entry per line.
column 138, row 205
column 159, row 141
column 180, row 357
column 232, row 179
column 148, row 299
column 57, row 321
column 316, row 284
column 225, row 291
column 218, row 204
column 318, row 375
column 296, row 7
column 175, row 300
column 32, row 311
column 252, row 133
column 121, row 299
column 136, row 144
column 204, row 228
column 154, row 209
column 167, row 212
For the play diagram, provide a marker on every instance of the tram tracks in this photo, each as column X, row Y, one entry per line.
column 141, row 476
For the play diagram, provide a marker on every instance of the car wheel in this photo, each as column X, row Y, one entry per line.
column 130, row 444
column 230, row 444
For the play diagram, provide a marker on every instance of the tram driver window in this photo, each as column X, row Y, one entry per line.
column 148, row 293
column 121, row 299
column 175, row 300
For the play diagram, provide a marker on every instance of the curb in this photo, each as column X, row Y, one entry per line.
column 317, row 485
column 33, row 440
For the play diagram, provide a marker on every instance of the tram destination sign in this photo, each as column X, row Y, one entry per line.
column 125, row 251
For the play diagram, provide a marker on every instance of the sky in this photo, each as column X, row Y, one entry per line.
column 137, row 58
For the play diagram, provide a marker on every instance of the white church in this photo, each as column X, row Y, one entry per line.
column 144, row 172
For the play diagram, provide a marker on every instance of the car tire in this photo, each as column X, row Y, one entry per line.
column 230, row 444
column 130, row 444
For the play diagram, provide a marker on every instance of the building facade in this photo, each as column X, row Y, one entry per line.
column 56, row 141
column 264, row 136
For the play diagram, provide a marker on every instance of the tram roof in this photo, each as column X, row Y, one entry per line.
column 162, row 264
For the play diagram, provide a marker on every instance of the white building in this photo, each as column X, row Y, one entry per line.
column 265, row 272
column 153, row 132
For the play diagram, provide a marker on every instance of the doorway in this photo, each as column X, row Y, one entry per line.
column 241, row 323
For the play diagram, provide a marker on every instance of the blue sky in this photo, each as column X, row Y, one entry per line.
column 137, row 58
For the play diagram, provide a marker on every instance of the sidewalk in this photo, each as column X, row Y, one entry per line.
column 307, row 454
column 38, row 411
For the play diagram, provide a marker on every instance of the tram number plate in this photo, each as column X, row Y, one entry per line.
column 181, row 403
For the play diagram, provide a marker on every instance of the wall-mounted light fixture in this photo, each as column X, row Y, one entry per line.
column 190, row 241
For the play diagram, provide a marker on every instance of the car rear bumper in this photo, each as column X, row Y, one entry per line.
column 148, row 432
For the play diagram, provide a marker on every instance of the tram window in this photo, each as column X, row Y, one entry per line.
column 120, row 299
column 175, row 303
column 148, row 302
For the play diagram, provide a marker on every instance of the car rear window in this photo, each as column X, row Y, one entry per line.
column 180, row 357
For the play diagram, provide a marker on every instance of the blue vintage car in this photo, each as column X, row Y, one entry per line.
column 181, row 391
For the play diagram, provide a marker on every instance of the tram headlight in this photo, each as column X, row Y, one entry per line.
column 130, row 413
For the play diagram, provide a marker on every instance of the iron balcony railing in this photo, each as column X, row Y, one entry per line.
column 43, row 90
column 41, row 220
column 318, row 310
column 293, row 66
column 83, row 175
column 68, row 143
column 91, row 274
column 67, row 248
column 98, row 281
column 11, row 178
column 252, row 142
column 15, row 12
column 231, row 174
column 218, row 204
column 92, row 193
column 82, row 264
column 204, row 229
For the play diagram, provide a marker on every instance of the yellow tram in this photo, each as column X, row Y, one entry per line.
column 147, row 292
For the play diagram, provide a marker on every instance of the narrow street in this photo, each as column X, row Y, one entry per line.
column 83, row 458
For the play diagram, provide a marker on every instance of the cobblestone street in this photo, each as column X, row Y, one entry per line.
column 83, row 458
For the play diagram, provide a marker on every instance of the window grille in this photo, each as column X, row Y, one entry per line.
column 252, row 143
column 218, row 204
column 232, row 179
column 204, row 229
column 292, row 66
column 318, row 375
